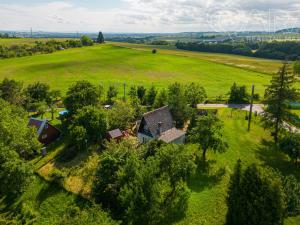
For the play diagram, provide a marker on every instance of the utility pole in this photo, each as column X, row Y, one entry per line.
column 31, row 32
column 251, row 106
column 124, row 92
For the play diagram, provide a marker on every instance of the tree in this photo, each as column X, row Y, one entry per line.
column 195, row 94
column 41, row 108
column 255, row 196
column 111, row 94
column 291, row 189
column 120, row 116
column 161, row 99
column 150, row 96
column 238, row 94
column 15, row 174
column 178, row 104
column 100, row 38
column 11, row 91
column 132, row 92
column 86, row 41
column 81, row 94
column 297, row 67
column 290, row 145
column 144, row 190
column 78, row 137
column 38, row 92
column 141, row 93
column 208, row 134
column 14, row 130
column 93, row 120
column 277, row 95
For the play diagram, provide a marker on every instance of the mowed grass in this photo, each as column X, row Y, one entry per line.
column 248, row 63
column 109, row 64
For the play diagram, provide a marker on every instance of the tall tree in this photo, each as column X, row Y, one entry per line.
column 161, row 99
column 15, row 174
column 178, row 104
column 93, row 120
column 120, row 116
column 141, row 93
column 277, row 95
column 195, row 94
column 81, row 94
column 12, row 91
column 208, row 134
column 290, row 145
column 151, row 95
column 111, row 94
column 14, row 130
column 255, row 196
column 100, row 38
column 38, row 92
column 238, row 94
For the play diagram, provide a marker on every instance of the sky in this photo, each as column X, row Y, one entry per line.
column 149, row 16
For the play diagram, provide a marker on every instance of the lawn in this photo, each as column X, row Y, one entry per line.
column 108, row 64
column 207, row 205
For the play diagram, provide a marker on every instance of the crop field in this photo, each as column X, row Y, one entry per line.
column 109, row 64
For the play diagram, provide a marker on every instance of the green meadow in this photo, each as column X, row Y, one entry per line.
column 111, row 64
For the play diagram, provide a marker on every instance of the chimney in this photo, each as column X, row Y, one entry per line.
column 159, row 125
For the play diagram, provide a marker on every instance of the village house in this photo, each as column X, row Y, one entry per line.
column 46, row 132
column 159, row 125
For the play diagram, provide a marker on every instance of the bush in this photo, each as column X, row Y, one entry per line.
column 154, row 51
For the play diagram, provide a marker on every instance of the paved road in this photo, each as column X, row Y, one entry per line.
column 259, row 108
column 256, row 107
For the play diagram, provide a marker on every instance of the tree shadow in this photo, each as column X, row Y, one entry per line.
column 272, row 157
column 46, row 192
column 205, row 177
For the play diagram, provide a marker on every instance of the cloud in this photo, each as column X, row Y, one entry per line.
column 153, row 16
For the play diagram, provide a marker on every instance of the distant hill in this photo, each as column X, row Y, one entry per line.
column 289, row 31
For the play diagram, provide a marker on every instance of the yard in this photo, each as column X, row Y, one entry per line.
column 207, row 204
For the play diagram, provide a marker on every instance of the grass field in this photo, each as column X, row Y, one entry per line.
column 108, row 64
column 26, row 41
column 207, row 205
column 248, row 63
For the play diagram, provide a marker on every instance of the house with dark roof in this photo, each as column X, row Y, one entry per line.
column 159, row 125
column 46, row 132
column 116, row 135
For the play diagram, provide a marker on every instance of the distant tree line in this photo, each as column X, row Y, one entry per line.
column 42, row 47
column 271, row 50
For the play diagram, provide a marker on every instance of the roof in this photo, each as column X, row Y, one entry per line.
column 171, row 135
column 38, row 123
column 161, row 115
column 115, row 133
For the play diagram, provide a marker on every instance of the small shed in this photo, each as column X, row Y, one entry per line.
column 116, row 135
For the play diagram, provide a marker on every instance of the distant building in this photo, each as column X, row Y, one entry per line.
column 116, row 135
column 159, row 125
column 46, row 132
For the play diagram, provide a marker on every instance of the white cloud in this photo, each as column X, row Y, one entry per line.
column 154, row 16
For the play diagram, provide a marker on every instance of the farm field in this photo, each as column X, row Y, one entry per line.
column 248, row 63
column 110, row 64
column 207, row 204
